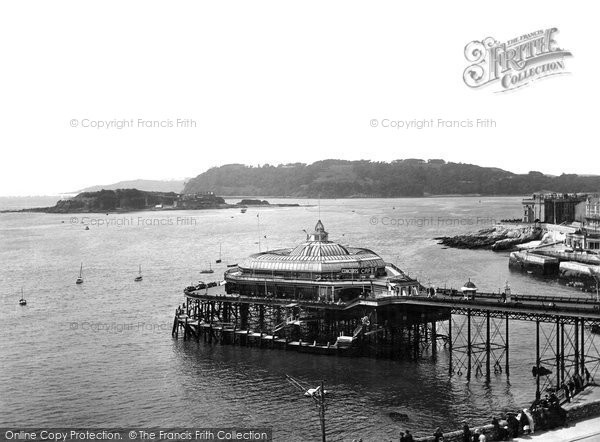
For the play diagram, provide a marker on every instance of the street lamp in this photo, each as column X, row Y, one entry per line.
column 318, row 395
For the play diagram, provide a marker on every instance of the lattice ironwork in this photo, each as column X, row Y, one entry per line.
column 479, row 345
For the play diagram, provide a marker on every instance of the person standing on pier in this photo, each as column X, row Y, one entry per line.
column 571, row 385
column 565, row 389
column 578, row 382
column 587, row 375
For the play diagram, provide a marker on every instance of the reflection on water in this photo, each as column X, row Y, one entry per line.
column 101, row 354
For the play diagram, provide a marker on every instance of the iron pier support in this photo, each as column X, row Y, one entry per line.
column 557, row 352
column 487, row 348
column 469, row 344
column 577, row 346
column 450, row 370
column 537, row 359
column 507, row 366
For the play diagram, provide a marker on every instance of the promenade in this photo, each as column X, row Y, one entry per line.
column 584, row 431
column 587, row 430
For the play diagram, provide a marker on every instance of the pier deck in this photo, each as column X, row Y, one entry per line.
column 544, row 308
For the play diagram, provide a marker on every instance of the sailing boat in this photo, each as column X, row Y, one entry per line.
column 209, row 270
column 22, row 301
column 79, row 280
column 219, row 260
column 139, row 276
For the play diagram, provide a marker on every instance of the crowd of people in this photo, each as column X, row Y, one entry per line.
column 547, row 414
column 543, row 414
column 575, row 385
column 513, row 425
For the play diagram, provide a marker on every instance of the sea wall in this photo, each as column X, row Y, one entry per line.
column 584, row 411
column 570, row 269
column 574, row 414
column 558, row 228
column 583, row 257
column 544, row 265
column 456, row 436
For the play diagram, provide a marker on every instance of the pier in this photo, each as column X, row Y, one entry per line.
column 474, row 328
column 324, row 298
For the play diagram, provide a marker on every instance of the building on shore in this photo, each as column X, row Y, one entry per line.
column 554, row 208
column 592, row 223
column 200, row 200
column 587, row 235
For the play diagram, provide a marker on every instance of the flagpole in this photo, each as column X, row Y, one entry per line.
column 258, row 221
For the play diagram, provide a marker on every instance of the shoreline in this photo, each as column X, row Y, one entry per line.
column 149, row 209
column 584, row 406
column 448, row 195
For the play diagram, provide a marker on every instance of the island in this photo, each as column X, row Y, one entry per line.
column 128, row 200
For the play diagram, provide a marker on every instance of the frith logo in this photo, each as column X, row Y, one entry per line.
column 515, row 63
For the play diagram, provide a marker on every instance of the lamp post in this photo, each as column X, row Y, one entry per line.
column 318, row 395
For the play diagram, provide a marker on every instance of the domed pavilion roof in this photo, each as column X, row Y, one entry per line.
column 469, row 286
column 317, row 254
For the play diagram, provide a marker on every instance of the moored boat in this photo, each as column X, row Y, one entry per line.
column 139, row 276
column 209, row 270
column 79, row 279
column 218, row 261
column 22, row 301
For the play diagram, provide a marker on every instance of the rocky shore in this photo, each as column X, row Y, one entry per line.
column 498, row 237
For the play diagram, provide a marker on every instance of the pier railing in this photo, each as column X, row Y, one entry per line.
column 591, row 299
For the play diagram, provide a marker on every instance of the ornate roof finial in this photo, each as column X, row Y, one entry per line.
column 319, row 234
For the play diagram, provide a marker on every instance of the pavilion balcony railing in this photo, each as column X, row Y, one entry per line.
column 238, row 274
column 276, row 278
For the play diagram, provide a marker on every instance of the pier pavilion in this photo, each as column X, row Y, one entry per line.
column 318, row 292
column 318, row 270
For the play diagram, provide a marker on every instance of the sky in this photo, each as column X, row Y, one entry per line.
column 277, row 82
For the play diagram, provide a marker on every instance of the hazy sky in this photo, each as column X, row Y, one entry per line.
column 278, row 81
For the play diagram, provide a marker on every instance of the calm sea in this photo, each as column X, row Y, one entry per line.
column 101, row 354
